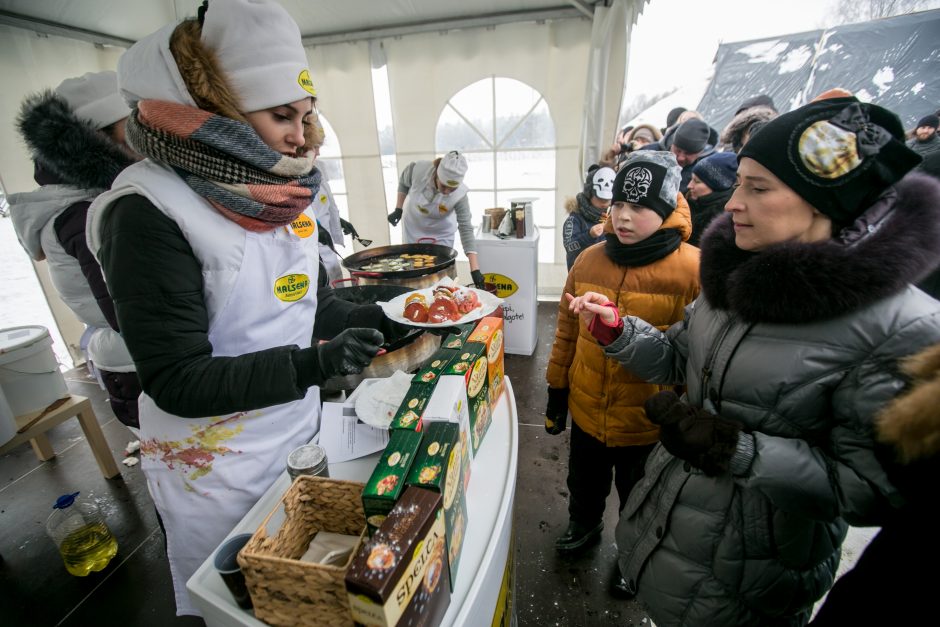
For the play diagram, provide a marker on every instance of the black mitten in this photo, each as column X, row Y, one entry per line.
column 394, row 216
column 556, row 413
column 691, row 433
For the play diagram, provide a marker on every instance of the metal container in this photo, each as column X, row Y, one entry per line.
column 308, row 459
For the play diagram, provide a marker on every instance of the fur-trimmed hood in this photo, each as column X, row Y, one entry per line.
column 911, row 423
column 892, row 244
column 733, row 133
column 67, row 147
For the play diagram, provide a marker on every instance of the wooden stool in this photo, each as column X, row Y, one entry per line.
column 33, row 427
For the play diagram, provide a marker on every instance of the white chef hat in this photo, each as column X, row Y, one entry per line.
column 452, row 169
column 258, row 47
column 94, row 97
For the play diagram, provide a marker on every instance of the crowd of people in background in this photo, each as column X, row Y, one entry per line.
column 747, row 426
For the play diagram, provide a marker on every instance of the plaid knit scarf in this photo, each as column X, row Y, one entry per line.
column 226, row 162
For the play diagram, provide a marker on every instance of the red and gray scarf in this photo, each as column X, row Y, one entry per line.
column 226, row 162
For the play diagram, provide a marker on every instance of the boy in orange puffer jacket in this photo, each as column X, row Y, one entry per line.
column 646, row 269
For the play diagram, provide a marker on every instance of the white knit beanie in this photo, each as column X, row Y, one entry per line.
column 258, row 46
column 94, row 97
column 452, row 169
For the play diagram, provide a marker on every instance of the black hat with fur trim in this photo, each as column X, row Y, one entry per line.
column 839, row 154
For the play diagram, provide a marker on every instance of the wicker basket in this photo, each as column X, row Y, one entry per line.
column 286, row 591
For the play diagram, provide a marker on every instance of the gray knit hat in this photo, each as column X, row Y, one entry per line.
column 649, row 178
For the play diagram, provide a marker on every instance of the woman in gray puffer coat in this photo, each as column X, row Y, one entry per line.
column 787, row 356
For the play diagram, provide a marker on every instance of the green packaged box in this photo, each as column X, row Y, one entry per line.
column 481, row 415
column 435, row 366
column 388, row 479
column 457, row 340
column 409, row 413
column 438, row 467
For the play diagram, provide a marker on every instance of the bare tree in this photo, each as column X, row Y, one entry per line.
column 850, row 11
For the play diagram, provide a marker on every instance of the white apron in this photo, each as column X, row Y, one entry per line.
column 427, row 212
column 327, row 213
column 204, row 474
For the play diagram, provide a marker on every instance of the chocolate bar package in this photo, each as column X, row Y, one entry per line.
column 400, row 575
column 437, row 467
column 473, row 366
column 387, row 482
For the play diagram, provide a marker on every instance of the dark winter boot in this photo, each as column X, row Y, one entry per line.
column 578, row 536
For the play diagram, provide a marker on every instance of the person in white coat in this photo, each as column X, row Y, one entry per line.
column 432, row 205
column 210, row 250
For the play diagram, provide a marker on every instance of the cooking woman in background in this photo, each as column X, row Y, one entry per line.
column 209, row 248
column 432, row 199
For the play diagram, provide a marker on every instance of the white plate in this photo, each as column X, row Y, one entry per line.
column 395, row 308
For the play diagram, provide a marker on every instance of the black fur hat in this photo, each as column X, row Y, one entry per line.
column 838, row 154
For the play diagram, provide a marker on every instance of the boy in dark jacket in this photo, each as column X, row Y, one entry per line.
column 587, row 212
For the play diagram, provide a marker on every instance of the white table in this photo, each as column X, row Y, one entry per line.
column 486, row 547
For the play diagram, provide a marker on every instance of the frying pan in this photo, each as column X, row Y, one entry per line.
column 444, row 257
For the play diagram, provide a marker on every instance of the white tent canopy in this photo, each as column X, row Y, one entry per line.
column 571, row 56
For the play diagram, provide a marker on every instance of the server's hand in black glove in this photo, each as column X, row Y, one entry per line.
column 479, row 281
column 556, row 414
column 394, row 216
column 694, row 434
column 348, row 228
column 349, row 352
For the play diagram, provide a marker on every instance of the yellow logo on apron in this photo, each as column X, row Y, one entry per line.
column 423, row 210
column 442, row 208
column 504, row 285
column 303, row 227
column 291, row 287
column 306, row 83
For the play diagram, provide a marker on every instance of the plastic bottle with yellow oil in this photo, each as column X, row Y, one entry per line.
column 78, row 529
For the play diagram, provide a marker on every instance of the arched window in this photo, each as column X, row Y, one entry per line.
column 330, row 163
column 506, row 130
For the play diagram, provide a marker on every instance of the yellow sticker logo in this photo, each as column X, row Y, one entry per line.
column 303, row 227
column 306, row 83
column 323, row 198
column 423, row 210
column 442, row 208
column 504, row 285
column 291, row 287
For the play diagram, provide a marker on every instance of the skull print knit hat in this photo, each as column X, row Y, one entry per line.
column 599, row 182
column 649, row 178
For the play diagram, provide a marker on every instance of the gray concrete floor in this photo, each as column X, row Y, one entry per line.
column 135, row 589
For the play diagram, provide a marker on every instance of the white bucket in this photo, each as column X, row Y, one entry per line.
column 7, row 424
column 29, row 372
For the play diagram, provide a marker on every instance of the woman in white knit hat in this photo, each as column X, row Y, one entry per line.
column 75, row 135
column 432, row 202
column 210, row 250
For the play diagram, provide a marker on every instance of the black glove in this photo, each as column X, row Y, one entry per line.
column 556, row 414
column 393, row 331
column 691, row 433
column 479, row 281
column 348, row 228
column 349, row 352
column 394, row 216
